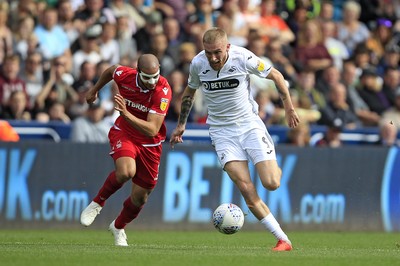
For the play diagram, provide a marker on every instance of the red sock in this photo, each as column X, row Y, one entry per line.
column 109, row 187
column 128, row 213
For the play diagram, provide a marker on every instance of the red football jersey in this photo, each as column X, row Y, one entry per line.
column 140, row 102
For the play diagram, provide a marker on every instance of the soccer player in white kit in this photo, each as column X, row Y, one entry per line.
column 238, row 134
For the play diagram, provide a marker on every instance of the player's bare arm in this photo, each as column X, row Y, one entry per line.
column 104, row 78
column 292, row 118
column 149, row 127
column 186, row 107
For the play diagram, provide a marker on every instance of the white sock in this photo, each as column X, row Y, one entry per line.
column 273, row 226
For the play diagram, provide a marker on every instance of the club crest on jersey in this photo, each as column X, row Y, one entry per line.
column 163, row 104
column 260, row 66
column 119, row 73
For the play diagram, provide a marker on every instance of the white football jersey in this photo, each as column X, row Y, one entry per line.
column 227, row 92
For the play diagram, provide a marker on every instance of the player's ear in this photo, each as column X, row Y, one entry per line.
column 228, row 46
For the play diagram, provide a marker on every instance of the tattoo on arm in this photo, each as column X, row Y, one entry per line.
column 282, row 94
column 186, row 106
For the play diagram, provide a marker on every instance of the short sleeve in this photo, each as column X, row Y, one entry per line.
column 256, row 65
column 162, row 99
column 193, row 80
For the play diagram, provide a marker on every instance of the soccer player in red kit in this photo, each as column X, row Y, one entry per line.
column 136, row 138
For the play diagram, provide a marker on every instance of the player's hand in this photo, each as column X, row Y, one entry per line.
column 120, row 104
column 91, row 96
column 176, row 136
column 292, row 118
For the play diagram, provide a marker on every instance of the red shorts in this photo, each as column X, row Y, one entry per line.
column 147, row 157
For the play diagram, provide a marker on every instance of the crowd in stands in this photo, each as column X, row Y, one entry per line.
column 340, row 58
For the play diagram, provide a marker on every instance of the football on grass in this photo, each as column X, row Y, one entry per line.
column 228, row 218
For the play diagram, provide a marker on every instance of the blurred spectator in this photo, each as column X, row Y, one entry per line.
column 187, row 51
column 177, row 80
column 309, row 96
column 6, row 36
column 357, row 104
column 392, row 115
column 280, row 61
column 391, row 58
column 312, row 7
column 90, row 50
column 350, row 30
column 337, row 109
column 126, row 44
column 79, row 108
column 297, row 20
column 299, row 136
column 233, row 23
column 58, row 88
column 158, row 47
column 175, row 36
column 94, row 13
column 153, row 26
column 362, row 57
column 23, row 9
column 10, row 80
column 329, row 77
column 91, row 127
column 56, row 112
column 258, row 46
column 203, row 18
column 371, row 91
column 266, row 108
column 331, row 138
column 135, row 19
column 391, row 82
column 248, row 11
column 52, row 38
column 306, row 113
column 86, row 80
column 310, row 50
column 389, row 9
column 370, row 10
column 16, row 108
column 272, row 26
column 327, row 11
column 144, row 7
column 336, row 48
column 380, row 38
column 109, row 48
column 21, row 37
column 66, row 19
column 172, row 8
column 7, row 132
column 106, row 95
column 388, row 135
column 32, row 74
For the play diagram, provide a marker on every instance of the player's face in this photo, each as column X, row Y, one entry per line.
column 149, row 80
column 217, row 54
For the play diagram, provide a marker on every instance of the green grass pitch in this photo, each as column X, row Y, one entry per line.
column 95, row 247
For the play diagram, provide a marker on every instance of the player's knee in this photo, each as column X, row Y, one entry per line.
column 123, row 176
column 272, row 185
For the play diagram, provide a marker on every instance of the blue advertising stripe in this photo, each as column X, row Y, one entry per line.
column 385, row 190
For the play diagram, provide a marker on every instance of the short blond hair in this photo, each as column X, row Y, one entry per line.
column 214, row 35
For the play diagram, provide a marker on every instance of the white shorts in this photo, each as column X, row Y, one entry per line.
column 248, row 141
